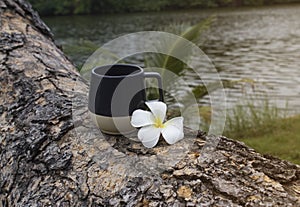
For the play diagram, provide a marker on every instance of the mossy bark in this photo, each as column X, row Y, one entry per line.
column 44, row 163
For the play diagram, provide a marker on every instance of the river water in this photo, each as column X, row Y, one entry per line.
column 259, row 45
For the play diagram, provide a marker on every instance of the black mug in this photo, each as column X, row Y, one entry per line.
column 115, row 92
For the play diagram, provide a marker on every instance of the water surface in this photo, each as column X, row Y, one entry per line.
column 258, row 45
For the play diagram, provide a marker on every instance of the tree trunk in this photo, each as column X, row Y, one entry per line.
column 50, row 158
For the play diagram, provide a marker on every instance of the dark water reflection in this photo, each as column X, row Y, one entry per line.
column 259, row 45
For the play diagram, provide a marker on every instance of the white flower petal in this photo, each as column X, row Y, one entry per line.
column 173, row 130
column 141, row 118
column 151, row 143
column 172, row 134
column 177, row 122
column 158, row 108
column 149, row 135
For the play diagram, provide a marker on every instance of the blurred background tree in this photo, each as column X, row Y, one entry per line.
column 69, row 7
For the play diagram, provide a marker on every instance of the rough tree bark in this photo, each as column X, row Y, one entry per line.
column 44, row 163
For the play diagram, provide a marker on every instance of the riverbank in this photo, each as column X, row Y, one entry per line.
column 283, row 141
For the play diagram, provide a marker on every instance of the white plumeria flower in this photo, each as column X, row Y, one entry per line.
column 153, row 125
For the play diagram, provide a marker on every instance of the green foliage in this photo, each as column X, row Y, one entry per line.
column 266, row 128
column 253, row 2
column 67, row 7
column 169, row 62
column 175, row 66
column 44, row 7
column 82, row 7
column 282, row 140
column 255, row 117
column 201, row 90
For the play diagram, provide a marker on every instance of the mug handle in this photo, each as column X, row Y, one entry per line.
column 158, row 77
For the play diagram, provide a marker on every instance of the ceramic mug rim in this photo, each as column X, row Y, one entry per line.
column 138, row 71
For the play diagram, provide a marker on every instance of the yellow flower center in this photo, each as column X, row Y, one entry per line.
column 158, row 123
